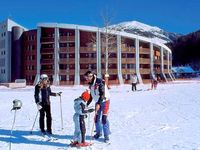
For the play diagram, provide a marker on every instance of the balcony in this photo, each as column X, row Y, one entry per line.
column 47, row 50
column 67, row 72
column 145, row 51
column 128, row 60
column 128, row 49
column 66, row 82
column 144, row 60
column 110, row 60
column 67, row 49
column 128, row 71
column 88, row 60
column 67, row 61
column 49, row 72
column 47, row 61
column 87, row 49
column 165, row 62
column 47, row 39
column 67, row 38
column 145, row 71
column 110, row 71
column 158, row 62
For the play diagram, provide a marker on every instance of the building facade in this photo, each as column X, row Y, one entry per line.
column 65, row 52
column 10, row 32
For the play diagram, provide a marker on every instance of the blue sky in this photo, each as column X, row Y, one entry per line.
column 180, row 16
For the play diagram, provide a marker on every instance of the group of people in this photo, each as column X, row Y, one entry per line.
column 98, row 91
column 134, row 82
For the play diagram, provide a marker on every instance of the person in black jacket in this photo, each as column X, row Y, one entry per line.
column 42, row 99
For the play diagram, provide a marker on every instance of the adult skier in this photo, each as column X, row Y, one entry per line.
column 134, row 80
column 80, row 107
column 42, row 99
column 100, row 94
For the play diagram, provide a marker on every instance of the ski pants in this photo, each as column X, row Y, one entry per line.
column 80, row 130
column 46, row 109
column 101, row 119
column 134, row 86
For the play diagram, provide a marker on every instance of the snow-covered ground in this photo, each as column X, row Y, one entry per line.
column 164, row 119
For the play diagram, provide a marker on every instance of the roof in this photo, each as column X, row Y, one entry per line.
column 183, row 69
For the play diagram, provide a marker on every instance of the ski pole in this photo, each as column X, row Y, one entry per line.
column 61, row 113
column 91, row 137
column 34, row 122
column 89, row 122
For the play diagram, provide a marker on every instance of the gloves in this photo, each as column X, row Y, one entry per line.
column 90, row 110
column 58, row 94
column 39, row 107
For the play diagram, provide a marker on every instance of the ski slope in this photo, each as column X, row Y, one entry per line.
column 164, row 119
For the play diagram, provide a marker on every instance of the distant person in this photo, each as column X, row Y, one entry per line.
column 134, row 81
column 100, row 94
column 42, row 99
column 154, row 83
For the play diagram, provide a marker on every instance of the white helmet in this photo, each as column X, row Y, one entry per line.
column 44, row 77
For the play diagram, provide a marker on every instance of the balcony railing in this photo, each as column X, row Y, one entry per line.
column 128, row 49
column 87, row 49
column 47, row 40
column 67, row 38
column 128, row 71
column 144, row 60
column 47, row 50
column 145, row 71
column 88, row 60
column 67, row 72
column 144, row 51
column 128, row 60
column 67, row 49
column 47, row 61
column 157, row 62
column 67, row 61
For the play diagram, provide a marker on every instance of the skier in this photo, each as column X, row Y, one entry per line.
column 80, row 107
column 134, row 82
column 154, row 83
column 42, row 99
column 99, row 92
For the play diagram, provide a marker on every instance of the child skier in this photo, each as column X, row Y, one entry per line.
column 80, row 107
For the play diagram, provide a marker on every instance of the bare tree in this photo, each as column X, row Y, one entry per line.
column 108, row 40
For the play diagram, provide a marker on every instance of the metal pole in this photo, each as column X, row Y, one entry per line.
column 61, row 113
column 12, row 128
column 34, row 122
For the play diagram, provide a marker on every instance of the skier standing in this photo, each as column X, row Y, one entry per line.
column 42, row 99
column 154, row 83
column 99, row 92
column 80, row 107
column 134, row 82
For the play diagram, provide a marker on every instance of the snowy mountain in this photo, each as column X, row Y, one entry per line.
column 167, row 118
column 146, row 30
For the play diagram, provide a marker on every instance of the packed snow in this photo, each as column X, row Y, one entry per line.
column 167, row 118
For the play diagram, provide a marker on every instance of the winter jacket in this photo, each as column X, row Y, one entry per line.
column 134, row 79
column 98, row 90
column 80, row 106
column 43, row 94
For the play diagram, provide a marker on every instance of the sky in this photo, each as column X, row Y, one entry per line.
column 179, row 16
